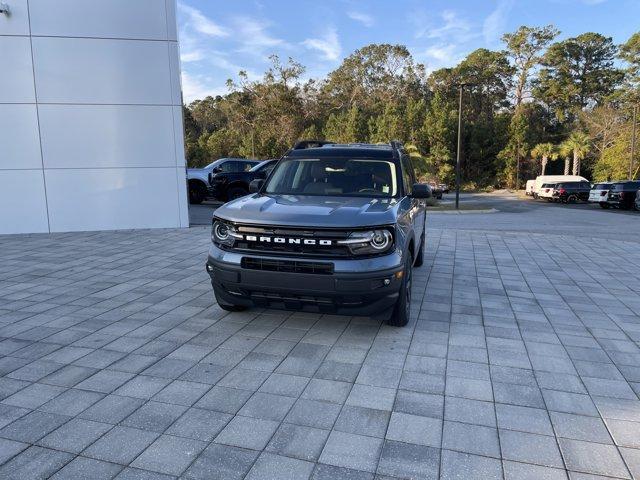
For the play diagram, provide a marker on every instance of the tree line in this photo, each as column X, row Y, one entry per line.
column 538, row 105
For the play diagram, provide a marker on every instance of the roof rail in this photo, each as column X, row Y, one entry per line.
column 397, row 147
column 303, row 144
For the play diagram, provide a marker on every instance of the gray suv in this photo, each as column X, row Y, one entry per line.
column 335, row 228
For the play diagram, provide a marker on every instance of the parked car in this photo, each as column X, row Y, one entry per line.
column 598, row 194
column 571, row 192
column 198, row 178
column 637, row 204
column 623, row 194
column 436, row 191
column 542, row 179
column 528, row 190
column 227, row 186
column 546, row 191
column 335, row 228
column 444, row 187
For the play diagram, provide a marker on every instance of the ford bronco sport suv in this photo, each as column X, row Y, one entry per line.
column 334, row 229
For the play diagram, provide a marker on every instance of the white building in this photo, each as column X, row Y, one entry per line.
column 90, row 116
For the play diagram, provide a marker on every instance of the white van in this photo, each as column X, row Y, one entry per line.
column 528, row 190
column 542, row 179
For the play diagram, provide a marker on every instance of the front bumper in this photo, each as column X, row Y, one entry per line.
column 367, row 287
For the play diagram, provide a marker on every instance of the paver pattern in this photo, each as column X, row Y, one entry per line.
column 522, row 362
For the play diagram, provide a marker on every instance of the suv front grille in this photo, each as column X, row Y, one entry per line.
column 285, row 241
column 288, row 266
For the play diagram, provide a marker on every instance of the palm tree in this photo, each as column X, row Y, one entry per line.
column 546, row 152
column 577, row 144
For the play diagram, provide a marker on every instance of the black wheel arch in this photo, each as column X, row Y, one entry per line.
column 197, row 182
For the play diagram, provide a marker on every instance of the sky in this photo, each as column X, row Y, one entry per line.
column 218, row 38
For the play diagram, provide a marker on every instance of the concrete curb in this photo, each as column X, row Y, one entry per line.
column 462, row 212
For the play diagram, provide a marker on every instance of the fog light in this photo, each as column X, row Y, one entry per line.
column 209, row 268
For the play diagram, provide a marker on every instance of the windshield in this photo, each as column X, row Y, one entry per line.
column 334, row 176
column 262, row 165
column 215, row 163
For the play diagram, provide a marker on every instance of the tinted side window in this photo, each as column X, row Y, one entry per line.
column 408, row 175
column 227, row 167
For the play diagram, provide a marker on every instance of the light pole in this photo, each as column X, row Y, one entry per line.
column 633, row 140
column 459, row 147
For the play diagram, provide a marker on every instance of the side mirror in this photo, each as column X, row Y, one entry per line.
column 421, row 190
column 256, row 185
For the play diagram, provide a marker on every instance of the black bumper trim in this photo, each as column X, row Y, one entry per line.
column 363, row 294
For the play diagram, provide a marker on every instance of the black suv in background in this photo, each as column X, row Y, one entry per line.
column 623, row 194
column 571, row 192
column 336, row 228
column 230, row 185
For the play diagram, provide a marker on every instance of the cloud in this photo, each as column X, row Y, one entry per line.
column 191, row 56
column 494, row 25
column 448, row 26
column 328, row 45
column 201, row 23
column 364, row 18
column 197, row 87
column 442, row 53
column 254, row 37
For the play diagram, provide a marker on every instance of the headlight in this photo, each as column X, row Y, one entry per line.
column 223, row 233
column 369, row 242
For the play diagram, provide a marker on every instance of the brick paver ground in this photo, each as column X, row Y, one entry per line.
column 522, row 362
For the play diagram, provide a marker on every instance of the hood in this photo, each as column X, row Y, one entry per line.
column 310, row 211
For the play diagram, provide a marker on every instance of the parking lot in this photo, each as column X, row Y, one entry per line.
column 522, row 360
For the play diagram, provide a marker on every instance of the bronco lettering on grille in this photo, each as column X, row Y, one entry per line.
column 291, row 241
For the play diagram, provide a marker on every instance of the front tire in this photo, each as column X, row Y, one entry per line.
column 197, row 193
column 420, row 256
column 402, row 310
column 604, row 205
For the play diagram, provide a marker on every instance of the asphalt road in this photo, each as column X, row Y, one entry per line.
column 541, row 217
column 585, row 220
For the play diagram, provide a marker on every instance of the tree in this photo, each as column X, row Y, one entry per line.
column 487, row 76
column 523, row 48
column 577, row 73
column 438, row 131
column 545, row 152
column 578, row 145
column 630, row 53
column 374, row 76
column 346, row 126
column 268, row 114
column 603, row 124
column 613, row 163
column 386, row 127
column 515, row 149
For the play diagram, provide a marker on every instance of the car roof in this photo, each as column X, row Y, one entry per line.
column 626, row 182
column 354, row 150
